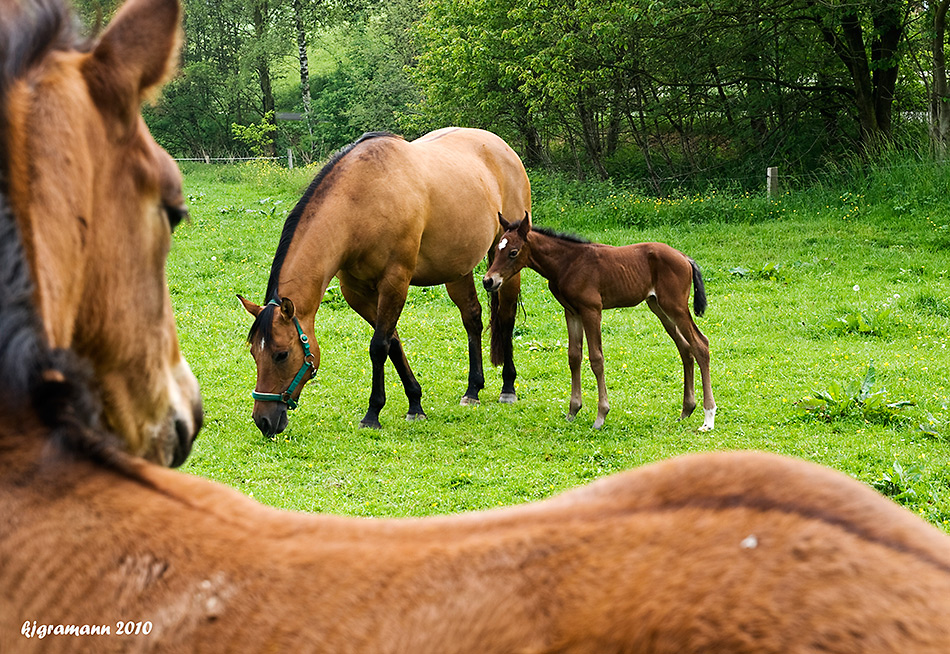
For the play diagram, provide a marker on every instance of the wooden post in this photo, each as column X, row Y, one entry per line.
column 771, row 184
column 290, row 159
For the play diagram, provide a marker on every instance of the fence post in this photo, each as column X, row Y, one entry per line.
column 290, row 159
column 771, row 184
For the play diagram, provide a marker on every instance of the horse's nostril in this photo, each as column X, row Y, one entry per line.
column 263, row 423
column 488, row 283
column 185, row 435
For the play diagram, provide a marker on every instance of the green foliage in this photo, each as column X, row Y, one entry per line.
column 874, row 322
column 855, row 399
column 927, row 303
column 770, row 271
column 899, row 483
column 258, row 137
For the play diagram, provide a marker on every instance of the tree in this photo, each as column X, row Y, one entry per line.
column 940, row 92
column 865, row 36
column 468, row 72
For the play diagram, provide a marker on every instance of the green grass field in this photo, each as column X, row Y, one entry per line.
column 807, row 292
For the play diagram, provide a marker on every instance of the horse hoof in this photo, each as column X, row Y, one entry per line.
column 598, row 423
column 705, row 428
column 410, row 417
column 370, row 424
column 469, row 401
column 508, row 398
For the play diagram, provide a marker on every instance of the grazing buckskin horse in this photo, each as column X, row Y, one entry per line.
column 382, row 215
column 733, row 553
column 587, row 278
column 96, row 199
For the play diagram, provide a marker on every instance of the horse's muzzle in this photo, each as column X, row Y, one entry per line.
column 492, row 283
column 272, row 420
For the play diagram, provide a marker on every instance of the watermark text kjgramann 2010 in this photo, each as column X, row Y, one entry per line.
column 34, row 629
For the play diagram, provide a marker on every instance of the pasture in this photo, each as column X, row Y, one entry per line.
column 807, row 293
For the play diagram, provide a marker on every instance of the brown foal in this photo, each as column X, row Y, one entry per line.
column 587, row 278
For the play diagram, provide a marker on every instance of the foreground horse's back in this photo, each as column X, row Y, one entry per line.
column 732, row 553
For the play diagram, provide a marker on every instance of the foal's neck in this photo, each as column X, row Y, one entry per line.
column 547, row 254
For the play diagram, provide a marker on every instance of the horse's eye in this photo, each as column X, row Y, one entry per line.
column 280, row 357
column 513, row 253
column 175, row 214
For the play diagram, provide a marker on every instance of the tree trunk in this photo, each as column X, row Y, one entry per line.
column 873, row 92
column 304, row 64
column 590, row 131
column 888, row 30
column 262, row 66
column 940, row 97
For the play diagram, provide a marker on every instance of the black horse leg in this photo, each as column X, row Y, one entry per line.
column 409, row 382
column 382, row 314
column 462, row 293
column 379, row 347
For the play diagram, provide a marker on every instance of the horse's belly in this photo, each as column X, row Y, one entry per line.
column 451, row 250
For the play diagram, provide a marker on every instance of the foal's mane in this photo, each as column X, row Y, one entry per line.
column 56, row 384
column 29, row 31
column 561, row 236
column 262, row 324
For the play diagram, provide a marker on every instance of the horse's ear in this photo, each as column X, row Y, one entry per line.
column 135, row 54
column 524, row 226
column 504, row 223
column 250, row 307
column 287, row 308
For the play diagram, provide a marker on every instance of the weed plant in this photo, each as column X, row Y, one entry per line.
column 802, row 253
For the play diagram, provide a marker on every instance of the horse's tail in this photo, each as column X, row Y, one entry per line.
column 699, row 290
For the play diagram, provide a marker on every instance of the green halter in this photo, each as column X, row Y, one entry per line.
column 287, row 396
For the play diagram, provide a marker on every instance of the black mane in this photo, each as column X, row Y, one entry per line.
column 29, row 31
column 55, row 384
column 571, row 238
column 262, row 323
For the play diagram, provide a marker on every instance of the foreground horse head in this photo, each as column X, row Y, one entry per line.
column 382, row 215
column 96, row 199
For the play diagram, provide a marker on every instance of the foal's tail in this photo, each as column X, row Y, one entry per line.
column 699, row 290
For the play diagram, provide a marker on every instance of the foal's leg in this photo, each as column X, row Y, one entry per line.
column 385, row 342
column 575, row 356
column 700, row 345
column 682, row 346
column 595, row 351
column 505, row 307
column 462, row 293
column 699, row 348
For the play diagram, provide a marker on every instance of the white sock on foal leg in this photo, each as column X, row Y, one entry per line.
column 710, row 420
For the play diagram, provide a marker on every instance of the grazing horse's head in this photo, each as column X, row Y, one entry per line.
column 511, row 254
column 96, row 200
column 286, row 359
